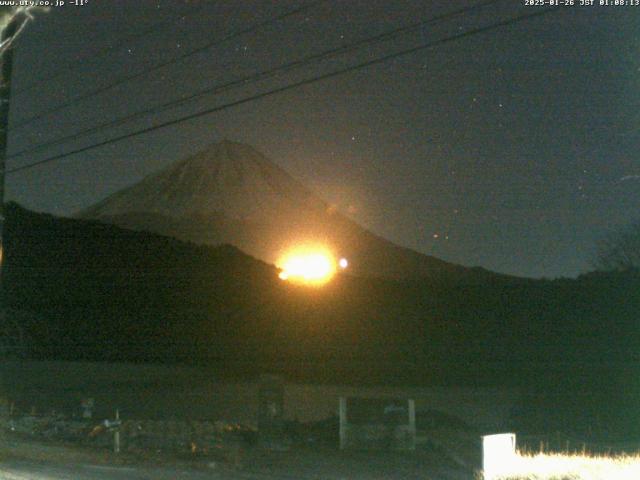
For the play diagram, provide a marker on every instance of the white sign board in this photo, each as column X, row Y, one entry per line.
column 498, row 454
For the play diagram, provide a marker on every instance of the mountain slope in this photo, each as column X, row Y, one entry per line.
column 106, row 293
column 230, row 193
column 91, row 291
column 228, row 178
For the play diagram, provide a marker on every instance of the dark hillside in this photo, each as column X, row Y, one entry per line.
column 104, row 293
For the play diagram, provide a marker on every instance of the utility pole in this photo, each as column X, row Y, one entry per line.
column 6, row 64
column 12, row 22
column 16, row 20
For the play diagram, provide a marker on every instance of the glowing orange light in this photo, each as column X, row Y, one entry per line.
column 308, row 265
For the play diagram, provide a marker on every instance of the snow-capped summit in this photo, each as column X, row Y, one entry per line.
column 228, row 178
column 231, row 193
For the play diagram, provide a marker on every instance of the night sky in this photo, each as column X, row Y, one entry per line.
column 514, row 149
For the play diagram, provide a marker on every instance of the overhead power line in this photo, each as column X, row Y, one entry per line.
column 92, row 56
column 468, row 33
column 262, row 75
column 160, row 66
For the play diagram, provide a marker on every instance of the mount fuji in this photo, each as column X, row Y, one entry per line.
column 231, row 193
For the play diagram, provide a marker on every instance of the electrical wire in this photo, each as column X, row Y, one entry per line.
column 92, row 56
column 159, row 66
column 259, row 76
column 290, row 86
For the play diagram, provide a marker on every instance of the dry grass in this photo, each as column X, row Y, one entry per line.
column 549, row 466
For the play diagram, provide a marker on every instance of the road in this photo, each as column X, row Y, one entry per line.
column 30, row 470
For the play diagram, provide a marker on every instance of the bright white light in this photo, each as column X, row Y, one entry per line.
column 499, row 455
column 308, row 265
column 501, row 461
column 344, row 263
column 579, row 467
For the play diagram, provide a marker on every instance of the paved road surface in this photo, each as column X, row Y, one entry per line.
column 29, row 470
column 26, row 470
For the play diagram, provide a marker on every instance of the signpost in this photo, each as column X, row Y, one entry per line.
column 498, row 454
column 377, row 423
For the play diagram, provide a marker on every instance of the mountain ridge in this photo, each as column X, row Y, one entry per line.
column 231, row 193
column 201, row 184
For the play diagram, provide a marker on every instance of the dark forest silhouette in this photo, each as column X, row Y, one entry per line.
column 97, row 292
